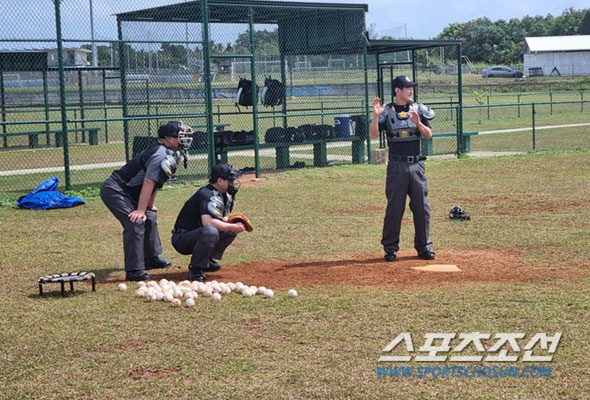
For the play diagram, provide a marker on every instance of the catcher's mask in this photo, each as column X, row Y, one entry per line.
column 457, row 212
column 177, row 129
column 229, row 172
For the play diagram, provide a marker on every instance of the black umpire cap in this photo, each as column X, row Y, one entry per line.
column 402, row 81
column 224, row 171
column 170, row 128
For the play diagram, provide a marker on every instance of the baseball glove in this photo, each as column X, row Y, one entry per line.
column 237, row 217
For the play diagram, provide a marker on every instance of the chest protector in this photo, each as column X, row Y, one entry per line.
column 398, row 125
column 219, row 205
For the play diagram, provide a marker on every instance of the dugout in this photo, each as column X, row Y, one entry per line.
column 33, row 71
column 319, row 51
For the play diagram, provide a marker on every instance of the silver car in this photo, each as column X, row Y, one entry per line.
column 500, row 72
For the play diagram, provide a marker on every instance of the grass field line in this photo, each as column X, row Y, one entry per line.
column 537, row 128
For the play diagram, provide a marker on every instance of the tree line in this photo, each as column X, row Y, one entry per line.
column 502, row 42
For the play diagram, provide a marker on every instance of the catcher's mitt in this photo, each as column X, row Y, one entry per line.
column 237, row 217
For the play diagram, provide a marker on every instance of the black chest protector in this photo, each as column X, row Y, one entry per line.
column 398, row 125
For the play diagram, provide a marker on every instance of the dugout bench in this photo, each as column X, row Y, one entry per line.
column 282, row 149
column 427, row 146
column 34, row 136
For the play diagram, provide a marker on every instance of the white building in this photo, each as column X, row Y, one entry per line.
column 73, row 57
column 557, row 55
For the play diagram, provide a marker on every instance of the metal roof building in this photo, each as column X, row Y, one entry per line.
column 557, row 55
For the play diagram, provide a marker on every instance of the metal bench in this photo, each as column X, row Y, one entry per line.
column 282, row 150
column 427, row 146
column 34, row 136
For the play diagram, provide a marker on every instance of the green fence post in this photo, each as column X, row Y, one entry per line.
column 3, row 100
column 62, row 94
column 551, row 103
column 207, row 79
column 254, row 92
column 81, row 101
column 123, row 72
column 46, row 103
column 367, row 109
column 488, row 106
column 518, row 96
column 582, row 102
column 104, row 103
column 147, row 97
column 534, row 133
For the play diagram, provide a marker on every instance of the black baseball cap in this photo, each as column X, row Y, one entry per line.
column 402, row 81
column 224, row 171
column 170, row 128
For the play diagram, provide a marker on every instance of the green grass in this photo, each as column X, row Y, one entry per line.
column 325, row 343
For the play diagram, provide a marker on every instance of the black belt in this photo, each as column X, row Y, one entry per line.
column 408, row 159
column 178, row 230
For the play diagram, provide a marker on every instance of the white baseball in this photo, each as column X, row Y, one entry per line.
column 268, row 293
column 169, row 297
column 140, row 292
column 292, row 293
column 216, row 297
column 190, row 302
column 261, row 290
column 175, row 303
column 141, row 284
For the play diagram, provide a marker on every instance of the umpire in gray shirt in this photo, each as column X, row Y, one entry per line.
column 129, row 193
column 404, row 123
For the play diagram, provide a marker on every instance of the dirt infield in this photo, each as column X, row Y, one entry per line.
column 481, row 265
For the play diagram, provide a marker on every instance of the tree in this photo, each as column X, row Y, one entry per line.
column 585, row 24
column 503, row 42
column 453, row 32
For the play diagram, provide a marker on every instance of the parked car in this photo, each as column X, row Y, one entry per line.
column 500, row 72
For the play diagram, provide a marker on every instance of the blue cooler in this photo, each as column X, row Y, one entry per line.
column 343, row 125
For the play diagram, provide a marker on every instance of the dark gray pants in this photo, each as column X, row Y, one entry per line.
column 406, row 179
column 203, row 243
column 141, row 240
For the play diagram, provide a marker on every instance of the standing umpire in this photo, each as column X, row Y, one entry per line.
column 202, row 228
column 404, row 123
column 129, row 193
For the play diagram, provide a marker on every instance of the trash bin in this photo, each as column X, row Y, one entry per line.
column 343, row 125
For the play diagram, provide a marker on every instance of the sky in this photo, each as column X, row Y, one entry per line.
column 418, row 19
column 426, row 19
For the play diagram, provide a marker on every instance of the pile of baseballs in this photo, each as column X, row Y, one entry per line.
column 187, row 291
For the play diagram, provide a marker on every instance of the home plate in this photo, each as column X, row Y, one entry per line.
column 438, row 268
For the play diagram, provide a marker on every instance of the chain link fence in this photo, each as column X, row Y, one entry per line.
column 128, row 67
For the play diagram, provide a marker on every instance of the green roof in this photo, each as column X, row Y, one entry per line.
column 228, row 11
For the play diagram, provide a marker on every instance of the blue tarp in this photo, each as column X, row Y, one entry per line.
column 45, row 197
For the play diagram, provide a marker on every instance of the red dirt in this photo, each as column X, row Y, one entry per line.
column 140, row 374
column 478, row 265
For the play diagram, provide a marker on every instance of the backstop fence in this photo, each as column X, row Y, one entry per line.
column 85, row 87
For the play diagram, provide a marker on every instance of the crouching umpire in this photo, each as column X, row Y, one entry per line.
column 202, row 228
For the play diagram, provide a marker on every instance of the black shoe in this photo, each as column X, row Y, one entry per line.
column 156, row 263
column 390, row 255
column 139, row 275
column 213, row 266
column 196, row 274
column 426, row 254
